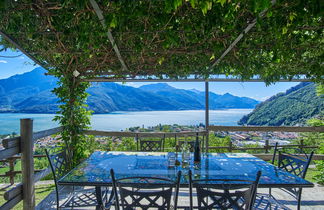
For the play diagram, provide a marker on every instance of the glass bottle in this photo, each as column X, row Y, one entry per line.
column 197, row 155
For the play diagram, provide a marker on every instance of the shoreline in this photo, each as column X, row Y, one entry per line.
column 116, row 121
column 130, row 111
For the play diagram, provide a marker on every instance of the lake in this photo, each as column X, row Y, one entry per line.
column 116, row 121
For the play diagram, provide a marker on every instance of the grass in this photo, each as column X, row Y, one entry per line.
column 311, row 172
column 41, row 192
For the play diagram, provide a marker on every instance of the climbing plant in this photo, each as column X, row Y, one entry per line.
column 172, row 38
column 73, row 116
column 163, row 39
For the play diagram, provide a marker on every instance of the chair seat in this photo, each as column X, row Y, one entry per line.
column 83, row 198
column 266, row 201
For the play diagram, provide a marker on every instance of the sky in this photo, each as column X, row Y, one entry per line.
column 16, row 65
column 256, row 90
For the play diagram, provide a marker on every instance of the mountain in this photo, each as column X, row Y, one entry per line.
column 293, row 107
column 24, row 92
column 31, row 93
column 195, row 99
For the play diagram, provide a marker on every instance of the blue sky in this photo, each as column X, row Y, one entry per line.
column 12, row 66
column 256, row 90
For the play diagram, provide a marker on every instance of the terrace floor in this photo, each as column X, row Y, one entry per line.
column 312, row 198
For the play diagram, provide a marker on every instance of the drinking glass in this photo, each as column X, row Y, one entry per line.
column 171, row 159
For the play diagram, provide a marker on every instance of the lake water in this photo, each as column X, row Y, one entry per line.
column 9, row 122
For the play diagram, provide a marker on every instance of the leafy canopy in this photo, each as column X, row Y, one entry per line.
column 172, row 38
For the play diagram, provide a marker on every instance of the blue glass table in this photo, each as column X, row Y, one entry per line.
column 95, row 170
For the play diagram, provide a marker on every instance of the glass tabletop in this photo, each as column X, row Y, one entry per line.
column 95, row 170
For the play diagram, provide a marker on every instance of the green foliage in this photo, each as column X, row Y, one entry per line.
column 73, row 116
column 173, row 38
column 118, row 144
column 294, row 107
column 41, row 192
column 215, row 141
column 317, row 139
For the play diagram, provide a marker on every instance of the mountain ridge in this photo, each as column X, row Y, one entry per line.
column 293, row 107
column 31, row 93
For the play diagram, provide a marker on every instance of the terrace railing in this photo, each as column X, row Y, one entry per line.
column 24, row 144
column 267, row 147
column 11, row 173
column 231, row 147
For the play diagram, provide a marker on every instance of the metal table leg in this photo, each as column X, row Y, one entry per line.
column 99, row 199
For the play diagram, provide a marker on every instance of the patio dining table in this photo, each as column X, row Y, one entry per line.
column 95, row 171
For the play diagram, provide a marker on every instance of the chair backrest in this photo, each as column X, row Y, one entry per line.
column 224, row 193
column 294, row 164
column 57, row 160
column 149, row 192
column 151, row 144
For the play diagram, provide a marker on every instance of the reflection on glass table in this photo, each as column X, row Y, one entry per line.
column 95, row 170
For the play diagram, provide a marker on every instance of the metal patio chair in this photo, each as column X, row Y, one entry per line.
column 78, row 197
column 223, row 193
column 150, row 193
column 294, row 164
column 151, row 144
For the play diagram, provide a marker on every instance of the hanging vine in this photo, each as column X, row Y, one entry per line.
column 173, row 38
column 73, row 116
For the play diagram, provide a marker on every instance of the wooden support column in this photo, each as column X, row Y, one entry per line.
column 27, row 163
column 12, row 169
column 207, row 113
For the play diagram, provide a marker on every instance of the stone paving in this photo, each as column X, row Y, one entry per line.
column 312, row 198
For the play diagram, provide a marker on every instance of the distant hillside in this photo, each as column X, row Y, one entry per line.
column 31, row 93
column 293, row 107
column 28, row 92
column 196, row 99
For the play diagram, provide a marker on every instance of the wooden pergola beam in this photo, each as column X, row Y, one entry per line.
column 109, row 34
column 13, row 42
column 245, row 31
column 105, row 79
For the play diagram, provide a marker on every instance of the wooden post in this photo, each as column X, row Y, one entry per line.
column 27, row 163
column 266, row 146
column 301, row 144
column 207, row 113
column 230, row 146
column 12, row 169
column 136, row 139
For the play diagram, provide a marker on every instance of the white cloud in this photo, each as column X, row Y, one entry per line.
column 3, row 61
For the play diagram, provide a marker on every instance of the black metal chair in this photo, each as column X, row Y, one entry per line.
column 151, row 192
column 77, row 198
column 294, row 164
column 223, row 193
column 147, row 144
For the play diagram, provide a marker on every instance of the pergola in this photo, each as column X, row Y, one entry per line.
column 173, row 39
column 82, row 41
